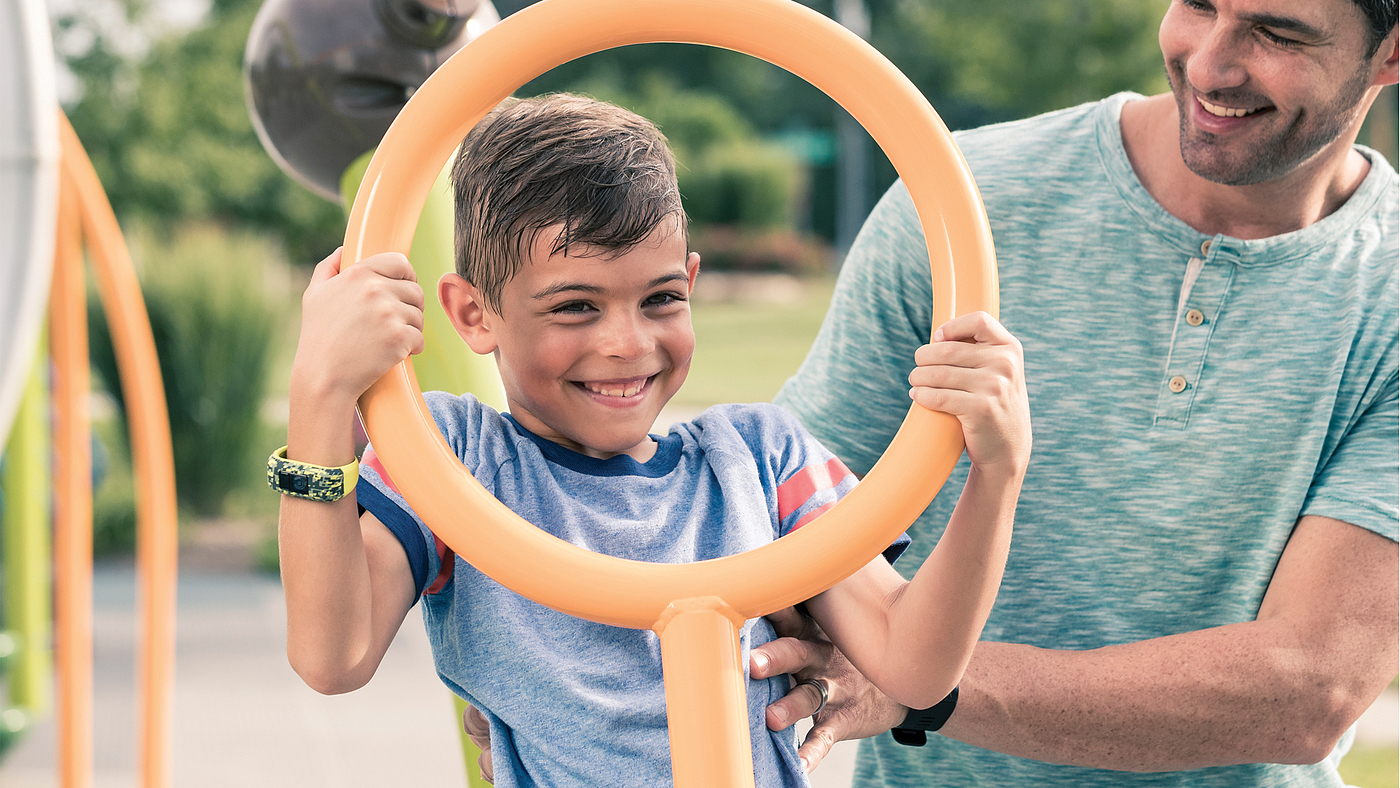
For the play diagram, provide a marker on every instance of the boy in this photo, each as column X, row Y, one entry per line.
column 572, row 270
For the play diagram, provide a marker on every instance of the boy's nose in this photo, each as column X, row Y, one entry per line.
column 625, row 337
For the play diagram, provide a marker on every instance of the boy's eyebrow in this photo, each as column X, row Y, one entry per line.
column 578, row 287
column 566, row 287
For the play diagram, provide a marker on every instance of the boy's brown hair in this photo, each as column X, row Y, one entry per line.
column 602, row 172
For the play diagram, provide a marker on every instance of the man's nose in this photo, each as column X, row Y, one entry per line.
column 1218, row 61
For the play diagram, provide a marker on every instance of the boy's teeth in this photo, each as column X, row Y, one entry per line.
column 1225, row 112
column 616, row 391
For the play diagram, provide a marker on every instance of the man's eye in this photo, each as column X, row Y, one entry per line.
column 572, row 308
column 1278, row 39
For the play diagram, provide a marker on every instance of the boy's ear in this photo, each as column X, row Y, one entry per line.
column 692, row 267
column 468, row 312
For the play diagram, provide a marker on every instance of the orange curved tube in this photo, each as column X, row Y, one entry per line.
column 152, row 460
column 642, row 595
column 72, row 540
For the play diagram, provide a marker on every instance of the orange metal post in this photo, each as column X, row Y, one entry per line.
column 72, row 540
column 152, row 461
column 706, row 709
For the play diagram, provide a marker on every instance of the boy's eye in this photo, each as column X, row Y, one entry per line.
column 661, row 299
column 572, row 308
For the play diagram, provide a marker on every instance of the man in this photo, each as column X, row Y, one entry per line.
column 1203, row 578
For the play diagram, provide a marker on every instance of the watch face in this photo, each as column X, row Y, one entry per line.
column 293, row 482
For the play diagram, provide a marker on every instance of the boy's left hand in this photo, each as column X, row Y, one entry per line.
column 973, row 370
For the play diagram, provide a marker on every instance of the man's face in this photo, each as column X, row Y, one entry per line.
column 1262, row 86
column 591, row 347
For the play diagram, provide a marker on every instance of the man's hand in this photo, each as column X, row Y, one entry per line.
column 854, row 708
column 479, row 731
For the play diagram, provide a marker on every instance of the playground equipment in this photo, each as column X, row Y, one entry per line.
column 28, row 212
column 28, row 192
column 54, row 203
column 324, row 78
column 696, row 609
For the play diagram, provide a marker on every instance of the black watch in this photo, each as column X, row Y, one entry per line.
column 911, row 732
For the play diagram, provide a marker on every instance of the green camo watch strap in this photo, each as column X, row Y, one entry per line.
column 312, row 482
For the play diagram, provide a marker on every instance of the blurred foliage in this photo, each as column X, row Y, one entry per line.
column 727, row 174
column 772, row 250
column 169, row 133
column 213, row 327
column 1371, row 767
column 1012, row 58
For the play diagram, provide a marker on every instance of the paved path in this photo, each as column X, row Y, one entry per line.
column 243, row 718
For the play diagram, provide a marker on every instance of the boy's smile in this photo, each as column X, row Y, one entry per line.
column 592, row 344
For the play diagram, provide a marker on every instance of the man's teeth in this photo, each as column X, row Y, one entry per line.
column 1225, row 112
column 615, row 391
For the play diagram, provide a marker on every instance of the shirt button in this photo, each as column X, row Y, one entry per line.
column 1195, row 317
column 1177, row 384
column 1205, row 248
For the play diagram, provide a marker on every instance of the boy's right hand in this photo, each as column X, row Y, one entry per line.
column 357, row 323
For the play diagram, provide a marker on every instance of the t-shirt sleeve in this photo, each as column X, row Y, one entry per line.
column 378, row 495
column 851, row 391
column 1360, row 482
column 466, row 425
column 808, row 478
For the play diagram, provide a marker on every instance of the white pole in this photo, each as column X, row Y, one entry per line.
column 28, row 190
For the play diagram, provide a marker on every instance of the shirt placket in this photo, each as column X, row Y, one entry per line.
column 1204, row 291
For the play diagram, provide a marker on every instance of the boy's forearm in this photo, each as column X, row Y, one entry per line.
column 935, row 620
column 325, row 574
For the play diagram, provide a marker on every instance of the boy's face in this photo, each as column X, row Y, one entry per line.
column 591, row 347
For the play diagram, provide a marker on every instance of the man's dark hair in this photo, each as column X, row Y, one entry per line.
column 1380, row 20
column 601, row 172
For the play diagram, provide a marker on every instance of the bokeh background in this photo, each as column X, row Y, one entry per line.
column 776, row 180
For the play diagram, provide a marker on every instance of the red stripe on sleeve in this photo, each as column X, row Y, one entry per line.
column 800, row 488
column 447, row 559
column 810, row 516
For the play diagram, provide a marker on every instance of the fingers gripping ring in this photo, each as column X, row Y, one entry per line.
column 822, row 693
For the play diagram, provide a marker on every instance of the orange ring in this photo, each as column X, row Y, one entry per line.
column 603, row 588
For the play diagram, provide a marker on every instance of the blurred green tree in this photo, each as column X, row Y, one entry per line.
column 168, row 131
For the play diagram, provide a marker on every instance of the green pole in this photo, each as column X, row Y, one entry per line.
column 446, row 363
column 24, row 525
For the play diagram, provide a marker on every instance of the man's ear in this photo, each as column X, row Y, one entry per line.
column 1390, row 67
column 468, row 312
column 692, row 267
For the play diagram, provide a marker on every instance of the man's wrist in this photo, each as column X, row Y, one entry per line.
column 913, row 730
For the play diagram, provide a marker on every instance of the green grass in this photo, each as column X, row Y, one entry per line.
column 1372, row 767
column 744, row 351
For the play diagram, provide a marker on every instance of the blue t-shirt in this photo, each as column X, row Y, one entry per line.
column 572, row 702
column 1191, row 397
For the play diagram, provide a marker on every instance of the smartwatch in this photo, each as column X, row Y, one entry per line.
column 911, row 732
column 312, row 482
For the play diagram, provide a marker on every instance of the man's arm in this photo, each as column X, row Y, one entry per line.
column 1282, row 688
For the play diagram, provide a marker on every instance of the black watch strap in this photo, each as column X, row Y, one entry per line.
column 911, row 732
